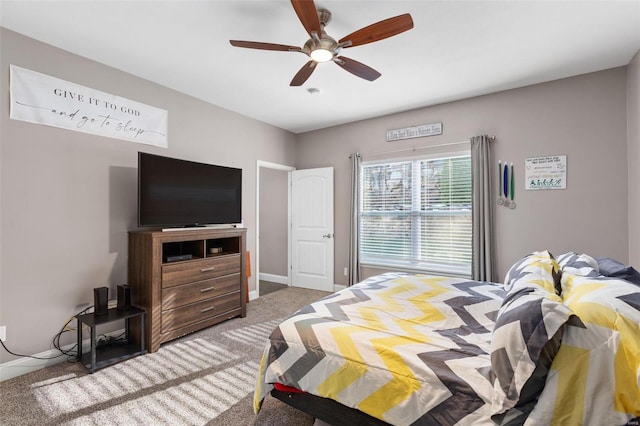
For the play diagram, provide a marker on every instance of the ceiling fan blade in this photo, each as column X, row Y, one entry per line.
column 303, row 74
column 308, row 15
column 357, row 68
column 264, row 46
column 379, row 31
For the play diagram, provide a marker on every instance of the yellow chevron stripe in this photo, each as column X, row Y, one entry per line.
column 403, row 382
column 567, row 285
column 353, row 367
column 547, row 285
column 545, row 264
column 627, row 392
column 430, row 312
column 258, row 395
column 569, row 406
column 574, row 293
column 627, row 396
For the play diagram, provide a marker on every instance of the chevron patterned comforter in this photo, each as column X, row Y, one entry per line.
column 557, row 343
column 402, row 348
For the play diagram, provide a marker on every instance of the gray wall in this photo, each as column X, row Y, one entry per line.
column 582, row 117
column 273, row 221
column 633, row 158
column 68, row 198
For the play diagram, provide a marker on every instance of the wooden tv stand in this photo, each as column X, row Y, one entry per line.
column 183, row 296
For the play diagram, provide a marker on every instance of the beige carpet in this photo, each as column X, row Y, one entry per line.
column 267, row 287
column 206, row 378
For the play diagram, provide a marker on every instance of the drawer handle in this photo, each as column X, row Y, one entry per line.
column 210, row 308
column 204, row 290
column 212, row 268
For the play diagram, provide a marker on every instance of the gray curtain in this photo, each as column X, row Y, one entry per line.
column 354, row 227
column 482, row 268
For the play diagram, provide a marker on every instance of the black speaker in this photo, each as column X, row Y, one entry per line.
column 100, row 300
column 124, row 297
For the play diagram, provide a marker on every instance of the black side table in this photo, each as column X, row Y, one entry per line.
column 111, row 354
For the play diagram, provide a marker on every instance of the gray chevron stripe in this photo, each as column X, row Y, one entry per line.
column 459, row 303
column 632, row 300
column 310, row 359
column 464, row 399
column 337, row 313
column 304, row 328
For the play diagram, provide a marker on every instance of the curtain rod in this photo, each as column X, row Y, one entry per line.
column 491, row 138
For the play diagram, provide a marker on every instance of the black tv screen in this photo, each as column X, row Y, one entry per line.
column 178, row 193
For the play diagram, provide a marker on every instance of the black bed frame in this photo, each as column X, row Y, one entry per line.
column 327, row 410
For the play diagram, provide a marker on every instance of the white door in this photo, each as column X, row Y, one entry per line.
column 312, row 228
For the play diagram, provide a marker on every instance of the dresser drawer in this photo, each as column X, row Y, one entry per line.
column 199, row 270
column 176, row 296
column 189, row 314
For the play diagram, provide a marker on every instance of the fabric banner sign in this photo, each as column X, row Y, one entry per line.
column 42, row 99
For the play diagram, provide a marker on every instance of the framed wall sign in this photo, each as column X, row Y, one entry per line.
column 548, row 172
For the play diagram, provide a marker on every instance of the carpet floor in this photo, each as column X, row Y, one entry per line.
column 267, row 287
column 205, row 378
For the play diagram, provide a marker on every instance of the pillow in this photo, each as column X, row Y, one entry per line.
column 612, row 268
column 527, row 335
column 579, row 264
column 601, row 359
column 540, row 266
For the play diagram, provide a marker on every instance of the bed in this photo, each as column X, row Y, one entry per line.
column 557, row 343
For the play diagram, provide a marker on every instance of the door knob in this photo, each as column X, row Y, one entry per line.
column 327, row 236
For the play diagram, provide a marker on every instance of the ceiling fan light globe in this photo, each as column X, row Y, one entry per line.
column 321, row 55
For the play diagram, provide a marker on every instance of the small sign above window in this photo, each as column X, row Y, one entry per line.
column 421, row 131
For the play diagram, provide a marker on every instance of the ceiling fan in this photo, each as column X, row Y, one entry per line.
column 323, row 48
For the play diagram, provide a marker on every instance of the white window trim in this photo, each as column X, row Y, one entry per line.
column 420, row 269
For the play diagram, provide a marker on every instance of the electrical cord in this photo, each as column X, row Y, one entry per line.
column 29, row 356
column 71, row 353
column 104, row 340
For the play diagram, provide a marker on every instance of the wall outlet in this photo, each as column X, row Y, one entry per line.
column 3, row 333
column 346, row 272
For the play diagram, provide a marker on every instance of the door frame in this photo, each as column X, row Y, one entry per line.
column 268, row 165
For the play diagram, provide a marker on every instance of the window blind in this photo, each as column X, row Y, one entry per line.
column 417, row 214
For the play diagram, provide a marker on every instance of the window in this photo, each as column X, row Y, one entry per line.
column 416, row 214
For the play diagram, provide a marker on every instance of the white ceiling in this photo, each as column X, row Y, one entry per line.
column 456, row 50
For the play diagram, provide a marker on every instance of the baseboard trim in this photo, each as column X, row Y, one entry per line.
column 253, row 295
column 278, row 279
column 24, row 365
column 338, row 287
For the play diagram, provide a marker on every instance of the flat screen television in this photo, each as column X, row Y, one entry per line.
column 180, row 193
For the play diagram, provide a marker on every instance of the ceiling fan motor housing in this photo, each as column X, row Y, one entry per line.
column 323, row 41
